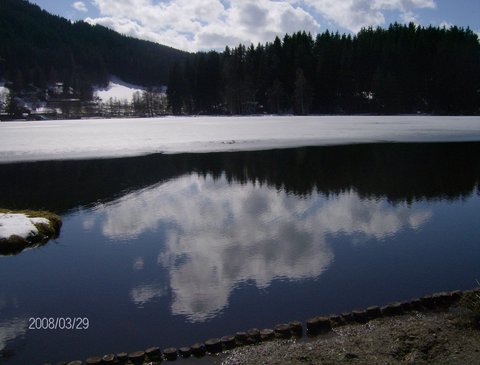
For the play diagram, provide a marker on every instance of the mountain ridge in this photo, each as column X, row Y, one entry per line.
column 39, row 48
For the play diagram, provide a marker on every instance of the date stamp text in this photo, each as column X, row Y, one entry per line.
column 58, row 323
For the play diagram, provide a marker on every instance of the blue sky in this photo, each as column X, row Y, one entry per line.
column 212, row 24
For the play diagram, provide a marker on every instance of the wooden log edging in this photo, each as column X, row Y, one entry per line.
column 315, row 326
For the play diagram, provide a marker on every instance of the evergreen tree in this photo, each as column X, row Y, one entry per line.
column 39, row 48
column 176, row 90
column 401, row 69
column 301, row 96
column 11, row 106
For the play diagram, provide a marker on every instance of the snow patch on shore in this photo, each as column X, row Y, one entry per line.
column 19, row 224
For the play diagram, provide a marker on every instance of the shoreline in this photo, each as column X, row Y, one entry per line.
column 419, row 338
column 439, row 333
column 109, row 138
column 441, row 328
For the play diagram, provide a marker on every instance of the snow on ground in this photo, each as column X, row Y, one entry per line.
column 97, row 138
column 3, row 90
column 19, row 224
column 118, row 89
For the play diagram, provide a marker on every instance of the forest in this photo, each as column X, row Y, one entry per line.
column 402, row 69
column 40, row 49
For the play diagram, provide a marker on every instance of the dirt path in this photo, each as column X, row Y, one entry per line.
column 414, row 338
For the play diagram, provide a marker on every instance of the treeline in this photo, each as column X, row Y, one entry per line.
column 402, row 69
column 40, row 49
column 399, row 172
column 148, row 103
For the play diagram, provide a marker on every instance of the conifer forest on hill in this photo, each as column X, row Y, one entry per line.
column 400, row 69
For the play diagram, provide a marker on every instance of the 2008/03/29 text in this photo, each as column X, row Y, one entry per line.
column 58, row 323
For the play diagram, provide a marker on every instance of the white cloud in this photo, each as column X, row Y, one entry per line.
column 80, row 6
column 220, row 234
column 143, row 294
column 355, row 14
column 409, row 17
column 138, row 263
column 446, row 24
column 204, row 24
column 209, row 24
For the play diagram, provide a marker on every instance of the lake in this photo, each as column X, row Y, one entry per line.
column 168, row 250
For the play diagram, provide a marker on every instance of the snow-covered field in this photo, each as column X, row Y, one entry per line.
column 97, row 138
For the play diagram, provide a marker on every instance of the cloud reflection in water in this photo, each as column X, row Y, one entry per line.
column 144, row 293
column 11, row 329
column 220, row 234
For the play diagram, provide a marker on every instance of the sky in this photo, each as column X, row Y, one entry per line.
column 194, row 25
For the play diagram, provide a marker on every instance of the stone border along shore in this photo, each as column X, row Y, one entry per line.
column 315, row 326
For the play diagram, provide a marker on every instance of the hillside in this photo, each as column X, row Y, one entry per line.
column 39, row 48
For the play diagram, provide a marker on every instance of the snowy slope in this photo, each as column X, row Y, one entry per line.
column 3, row 89
column 76, row 139
column 118, row 89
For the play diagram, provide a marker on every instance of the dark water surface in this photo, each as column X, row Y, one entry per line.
column 168, row 250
